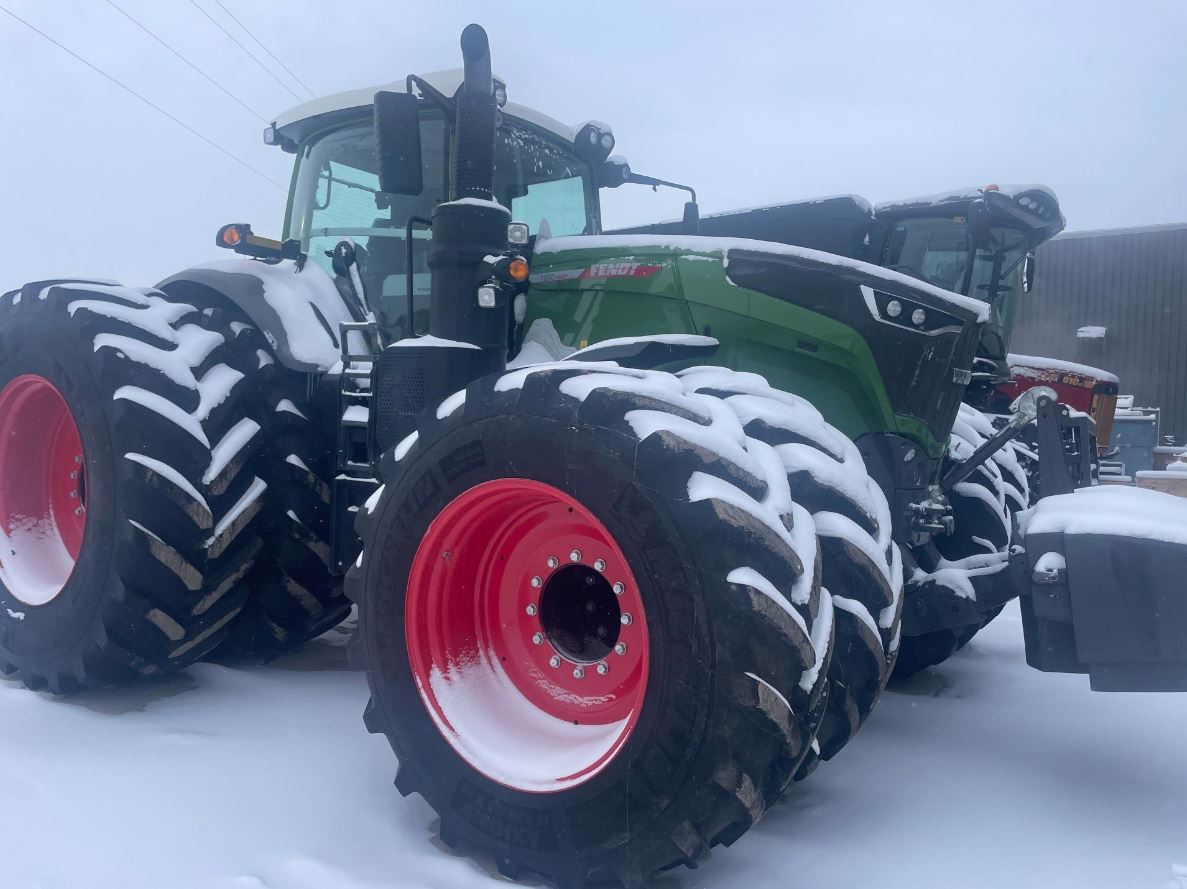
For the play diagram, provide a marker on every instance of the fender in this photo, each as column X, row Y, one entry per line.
column 297, row 311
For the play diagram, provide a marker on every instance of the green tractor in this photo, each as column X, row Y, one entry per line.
column 978, row 242
column 629, row 520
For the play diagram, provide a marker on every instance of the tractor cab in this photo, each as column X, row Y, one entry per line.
column 979, row 243
column 544, row 173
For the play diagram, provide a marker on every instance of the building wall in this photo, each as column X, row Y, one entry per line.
column 1133, row 282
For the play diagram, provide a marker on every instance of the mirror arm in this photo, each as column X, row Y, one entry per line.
column 434, row 95
column 639, row 179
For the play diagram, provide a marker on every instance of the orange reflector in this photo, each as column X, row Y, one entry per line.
column 518, row 270
column 231, row 236
column 992, row 188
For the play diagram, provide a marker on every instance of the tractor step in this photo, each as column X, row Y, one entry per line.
column 1104, row 580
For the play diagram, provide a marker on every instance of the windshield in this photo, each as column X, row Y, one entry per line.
column 937, row 250
column 337, row 197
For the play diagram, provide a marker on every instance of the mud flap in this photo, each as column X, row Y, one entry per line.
column 1111, row 606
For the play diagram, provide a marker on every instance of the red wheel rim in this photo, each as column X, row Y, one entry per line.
column 42, row 490
column 526, row 635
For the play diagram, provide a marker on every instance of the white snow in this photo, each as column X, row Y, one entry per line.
column 1113, row 509
column 250, row 496
column 1091, row 332
column 722, row 246
column 405, row 446
column 1019, row 364
column 373, row 500
column 356, row 415
column 1050, row 563
column 15, row 615
column 541, row 344
column 1007, row 771
column 751, row 578
column 170, row 474
column 428, row 340
column 163, row 407
column 286, row 405
column 231, row 444
column 771, row 689
column 667, row 339
column 476, row 202
column 451, row 404
column 294, row 296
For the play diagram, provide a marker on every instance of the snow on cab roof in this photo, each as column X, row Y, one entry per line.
column 700, row 244
column 447, row 82
column 964, row 194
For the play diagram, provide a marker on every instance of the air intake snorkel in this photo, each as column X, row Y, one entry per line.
column 472, row 226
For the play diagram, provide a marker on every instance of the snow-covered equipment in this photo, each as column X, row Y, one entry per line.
column 630, row 521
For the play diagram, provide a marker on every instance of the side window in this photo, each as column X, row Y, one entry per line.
column 561, row 203
column 338, row 197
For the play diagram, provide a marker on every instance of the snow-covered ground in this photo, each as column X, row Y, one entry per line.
column 981, row 774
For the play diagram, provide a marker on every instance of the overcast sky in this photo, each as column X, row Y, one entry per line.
column 750, row 102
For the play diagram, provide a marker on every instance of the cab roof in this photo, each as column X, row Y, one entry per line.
column 299, row 123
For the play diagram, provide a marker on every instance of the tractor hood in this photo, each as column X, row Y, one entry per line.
column 915, row 341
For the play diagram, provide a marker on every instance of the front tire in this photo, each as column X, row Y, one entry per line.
column 535, row 737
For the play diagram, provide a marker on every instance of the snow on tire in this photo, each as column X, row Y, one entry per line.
column 983, row 507
column 115, row 564
column 860, row 565
column 295, row 592
column 592, row 621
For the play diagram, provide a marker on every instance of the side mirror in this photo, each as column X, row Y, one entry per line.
column 977, row 221
column 613, row 172
column 692, row 218
column 1028, row 272
column 397, row 143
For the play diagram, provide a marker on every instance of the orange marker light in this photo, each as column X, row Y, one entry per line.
column 992, row 188
column 231, row 236
column 518, row 270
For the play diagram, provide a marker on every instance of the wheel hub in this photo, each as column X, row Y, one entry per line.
column 526, row 635
column 42, row 490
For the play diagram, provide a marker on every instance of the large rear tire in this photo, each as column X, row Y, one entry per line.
column 116, row 563
column 860, row 565
column 665, row 712
column 296, row 593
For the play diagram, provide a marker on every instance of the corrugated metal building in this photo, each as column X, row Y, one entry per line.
column 1132, row 283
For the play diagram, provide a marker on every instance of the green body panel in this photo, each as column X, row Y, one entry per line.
column 596, row 294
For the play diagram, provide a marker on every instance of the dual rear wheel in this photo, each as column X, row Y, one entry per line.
column 592, row 614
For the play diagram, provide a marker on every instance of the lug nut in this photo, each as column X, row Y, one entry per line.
column 78, row 511
column 531, row 609
column 603, row 669
column 575, row 556
column 554, row 661
column 600, row 565
column 626, row 619
column 579, row 673
column 538, row 638
column 553, row 561
column 536, row 581
column 74, row 494
column 619, row 589
column 78, row 459
column 74, row 474
column 620, row 648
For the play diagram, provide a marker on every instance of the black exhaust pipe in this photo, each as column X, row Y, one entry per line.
column 475, row 110
column 416, row 374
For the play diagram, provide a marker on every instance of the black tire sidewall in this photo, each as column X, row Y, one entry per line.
column 590, row 817
column 37, row 345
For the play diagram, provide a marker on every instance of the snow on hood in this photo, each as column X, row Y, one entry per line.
column 701, row 244
column 1112, row 509
column 1019, row 363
